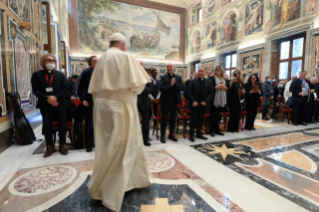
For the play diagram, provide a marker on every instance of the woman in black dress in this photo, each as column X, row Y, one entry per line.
column 233, row 101
column 252, row 99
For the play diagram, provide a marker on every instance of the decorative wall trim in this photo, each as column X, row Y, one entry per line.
column 289, row 32
column 251, row 48
column 206, row 60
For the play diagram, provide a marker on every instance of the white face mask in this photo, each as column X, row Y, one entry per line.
column 50, row 66
column 269, row 80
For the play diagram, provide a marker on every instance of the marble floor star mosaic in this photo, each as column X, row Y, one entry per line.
column 274, row 168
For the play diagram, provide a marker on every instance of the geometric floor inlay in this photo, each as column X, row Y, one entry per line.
column 297, row 159
column 262, row 144
column 43, row 180
column 158, row 162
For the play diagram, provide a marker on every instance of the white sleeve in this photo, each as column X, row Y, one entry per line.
column 150, row 96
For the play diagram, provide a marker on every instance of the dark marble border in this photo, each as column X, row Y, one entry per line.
column 80, row 200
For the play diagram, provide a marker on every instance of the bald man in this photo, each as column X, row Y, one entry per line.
column 171, row 86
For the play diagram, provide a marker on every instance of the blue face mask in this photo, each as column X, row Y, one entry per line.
column 269, row 80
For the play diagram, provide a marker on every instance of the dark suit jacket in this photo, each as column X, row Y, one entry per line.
column 72, row 88
column 212, row 79
column 155, row 88
column 83, row 87
column 251, row 99
column 165, row 87
column 186, row 89
column 60, row 87
column 233, row 97
column 143, row 101
column 194, row 91
column 295, row 88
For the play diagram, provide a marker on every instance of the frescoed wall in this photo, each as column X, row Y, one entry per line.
column 227, row 24
column 150, row 33
column 21, row 51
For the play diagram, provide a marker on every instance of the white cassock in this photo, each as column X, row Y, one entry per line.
column 120, row 163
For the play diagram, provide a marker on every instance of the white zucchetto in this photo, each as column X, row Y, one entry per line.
column 117, row 37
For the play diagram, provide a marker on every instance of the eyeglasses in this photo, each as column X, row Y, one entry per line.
column 51, row 61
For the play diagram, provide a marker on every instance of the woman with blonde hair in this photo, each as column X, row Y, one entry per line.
column 219, row 100
column 235, row 92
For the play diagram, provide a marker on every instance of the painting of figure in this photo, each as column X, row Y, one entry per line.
column 210, row 6
column 310, row 7
column 254, row 17
column 149, row 33
column 210, row 39
column 229, row 25
column 250, row 63
column 287, row 10
column 21, row 9
column 196, row 42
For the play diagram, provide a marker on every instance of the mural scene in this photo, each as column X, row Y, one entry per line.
column 254, row 17
column 250, row 63
column 150, row 33
column 234, row 22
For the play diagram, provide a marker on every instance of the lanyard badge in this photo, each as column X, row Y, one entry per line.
column 49, row 89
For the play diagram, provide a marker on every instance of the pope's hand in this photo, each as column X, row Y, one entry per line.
column 173, row 81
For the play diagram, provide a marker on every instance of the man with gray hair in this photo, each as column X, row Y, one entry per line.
column 312, row 100
column 300, row 89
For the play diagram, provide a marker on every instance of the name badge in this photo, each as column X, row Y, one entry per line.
column 303, row 89
column 49, row 89
column 279, row 95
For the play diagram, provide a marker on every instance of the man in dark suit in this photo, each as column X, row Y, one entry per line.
column 200, row 93
column 144, row 105
column 51, row 88
column 186, row 86
column 300, row 89
column 312, row 100
column 171, row 86
column 71, row 96
column 155, row 85
column 87, row 101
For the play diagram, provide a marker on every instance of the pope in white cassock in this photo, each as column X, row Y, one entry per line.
column 120, row 163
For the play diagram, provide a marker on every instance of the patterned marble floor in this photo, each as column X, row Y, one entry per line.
column 274, row 168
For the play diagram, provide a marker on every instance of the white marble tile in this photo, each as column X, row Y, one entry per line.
column 206, row 197
column 4, row 180
column 247, row 194
column 56, row 158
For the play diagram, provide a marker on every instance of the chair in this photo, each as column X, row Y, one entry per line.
column 206, row 123
column 260, row 108
column 283, row 110
column 69, row 128
column 183, row 116
column 157, row 118
column 225, row 116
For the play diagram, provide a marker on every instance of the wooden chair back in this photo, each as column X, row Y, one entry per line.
column 282, row 100
column 158, row 107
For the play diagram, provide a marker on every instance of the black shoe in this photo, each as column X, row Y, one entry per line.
column 149, row 139
column 232, row 131
column 253, row 128
column 172, row 137
column 303, row 123
column 248, row 128
column 212, row 134
column 236, row 130
column 201, row 137
column 265, row 118
column 192, row 139
column 163, row 140
column 220, row 133
column 312, row 122
column 89, row 149
column 147, row 143
column 307, row 122
column 295, row 124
